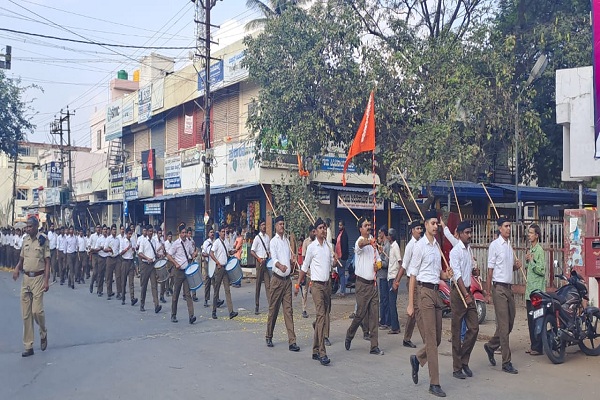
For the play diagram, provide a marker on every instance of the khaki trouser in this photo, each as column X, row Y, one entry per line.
column 504, row 305
column 168, row 284
column 321, row 294
column 99, row 273
column 148, row 273
column 305, row 290
column 280, row 293
column 127, row 273
column 119, row 275
column 461, row 353
column 72, row 267
column 262, row 274
column 412, row 321
column 179, row 281
column 82, row 265
column 54, row 262
column 208, row 282
column 111, row 266
column 430, row 326
column 32, row 308
column 62, row 265
column 221, row 276
column 367, row 311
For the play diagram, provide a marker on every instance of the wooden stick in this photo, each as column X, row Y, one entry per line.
column 306, row 211
column 311, row 217
column 346, row 205
column 491, row 201
column 268, row 199
column 312, row 221
column 91, row 216
column 411, row 195
column 405, row 209
column 453, row 278
column 520, row 269
column 455, row 198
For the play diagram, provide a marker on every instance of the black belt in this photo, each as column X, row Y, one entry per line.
column 33, row 274
column 506, row 285
column 283, row 278
column 321, row 283
column 432, row 286
column 363, row 280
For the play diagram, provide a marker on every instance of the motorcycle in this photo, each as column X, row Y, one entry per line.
column 350, row 281
column 476, row 293
column 562, row 320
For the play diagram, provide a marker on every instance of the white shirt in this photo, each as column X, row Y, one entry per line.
column 461, row 263
column 206, row 246
column 52, row 240
column 134, row 239
column 168, row 246
column 427, row 261
column 501, row 260
column 408, row 252
column 220, row 249
column 319, row 259
column 115, row 244
column 451, row 238
column 93, row 239
column 101, row 243
column 279, row 247
column 176, row 250
column 18, row 242
column 146, row 248
column 71, row 244
column 258, row 247
column 128, row 255
column 61, row 243
column 82, row 243
column 364, row 259
column 395, row 260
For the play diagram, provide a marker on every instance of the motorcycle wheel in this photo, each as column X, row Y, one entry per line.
column 554, row 347
column 590, row 346
column 335, row 285
column 481, row 310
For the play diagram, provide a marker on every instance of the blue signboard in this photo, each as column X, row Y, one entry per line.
column 216, row 75
column 335, row 164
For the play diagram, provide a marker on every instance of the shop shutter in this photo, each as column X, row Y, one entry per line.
column 128, row 144
column 141, row 142
column 157, row 133
column 172, row 133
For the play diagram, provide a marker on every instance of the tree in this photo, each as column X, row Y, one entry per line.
column 13, row 123
column 286, row 194
column 269, row 10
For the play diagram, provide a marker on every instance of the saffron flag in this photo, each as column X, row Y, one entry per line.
column 365, row 136
column 303, row 173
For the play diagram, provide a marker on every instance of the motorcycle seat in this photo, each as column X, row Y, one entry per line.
column 557, row 297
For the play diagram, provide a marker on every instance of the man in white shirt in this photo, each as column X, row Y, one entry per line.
column 220, row 252
column 501, row 264
column 61, row 255
column 118, row 267
column 319, row 259
column 367, row 263
column 425, row 274
column 112, row 247
column 82, row 259
column 208, row 281
column 127, row 268
column 168, row 243
column 461, row 262
column 94, row 254
column 305, row 284
column 147, row 254
column 100, row 271
column 280, row 290
column 52, row 236
column 71, row 250
column 162, row 253
column 260, row 252
column 394, row 266
column 179, row 257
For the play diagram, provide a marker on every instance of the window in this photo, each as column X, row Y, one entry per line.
column 99, row 139
column 22, row 194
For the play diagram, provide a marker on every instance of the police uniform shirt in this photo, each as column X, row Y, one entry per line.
column 52, row 240
column 426, row 261
column 501, row 260
column 461, row 262
column 258, row 247
column 280, row 252
column 35, row 253
column 364, row 259
column 176, row 251
column 128, row 255
column 319, row 259
column 101, row 244
column 221, row 251
column 70, row 244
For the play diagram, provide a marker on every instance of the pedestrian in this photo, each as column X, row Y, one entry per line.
column 260, row 252
column 416, row 231
column 426, row 272
column 208, row 280
column 127, row 268
column 394, row 266
column 461, row 262
column 192, row 253
column 113, row 259
column 147, row 253
column 219, row 253
column 319, row 259
column 62, row 255
column 71, row 251
column 382, row 280
column 34, row 261
column 367, row 263
column 501, row 264
column 280, row 290
column 94, row 255
column 179, row 256
column 342, row 253
column 535, row 262
column 82, row 259
column 238, row 243
column 52, row 236
column 305, row 283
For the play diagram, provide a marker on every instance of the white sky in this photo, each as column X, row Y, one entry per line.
column 77, row 75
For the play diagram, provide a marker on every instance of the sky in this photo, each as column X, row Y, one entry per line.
column 77, row 75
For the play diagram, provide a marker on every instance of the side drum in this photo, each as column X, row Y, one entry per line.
column 160, row 267
column 234, row 271
column 212, row 266
column 193, row 276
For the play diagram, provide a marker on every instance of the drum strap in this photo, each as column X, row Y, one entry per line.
column 185, row 251
column 265, row 247
column 153, row 249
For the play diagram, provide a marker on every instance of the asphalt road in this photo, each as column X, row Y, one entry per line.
column 99, row 349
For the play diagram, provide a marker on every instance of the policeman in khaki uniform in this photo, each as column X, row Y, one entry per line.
column 34, row 261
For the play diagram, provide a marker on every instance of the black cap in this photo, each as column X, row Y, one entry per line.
column 429, row 214
column 464, row 225
column 279, row 218
column 319, row 222
column 502, row 220
column 416, row 223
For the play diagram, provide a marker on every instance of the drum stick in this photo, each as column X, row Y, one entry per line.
column 491, row 201
column 405, row 209
column 453, row 278
column 268, row 199
column 411, row 195
column 346, row 205
column 455, row 198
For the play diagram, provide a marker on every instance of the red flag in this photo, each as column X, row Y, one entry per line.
column 303, row 173
column 365, row 136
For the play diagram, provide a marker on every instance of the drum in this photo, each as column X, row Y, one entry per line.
column 270, row 266
column 160, row 267
column 212, row 266
column 193, row 276
column 234, row 271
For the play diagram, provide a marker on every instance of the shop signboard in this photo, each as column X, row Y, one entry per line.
column 152, row 208
column 131, row 188
column 190, row 157
column 172, row 176
column 358, row 200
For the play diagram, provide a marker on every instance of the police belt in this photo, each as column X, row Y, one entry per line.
column 33, row 274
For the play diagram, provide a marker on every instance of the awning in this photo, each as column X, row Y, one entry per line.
column 106, row 202
column 550, row 195
column 200, row 193
column 355, row 189
column 465, row 190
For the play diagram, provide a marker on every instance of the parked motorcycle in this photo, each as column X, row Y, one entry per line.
column 350, row 281
column 476, row 294
column 562, row 320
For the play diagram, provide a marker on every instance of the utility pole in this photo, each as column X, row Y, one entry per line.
column 57, row 128
column 16, row 160
column 6, row 64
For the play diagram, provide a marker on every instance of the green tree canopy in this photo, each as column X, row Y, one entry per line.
column 13, row 122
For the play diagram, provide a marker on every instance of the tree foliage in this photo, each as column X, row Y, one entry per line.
column 286, row 195
column 13, row 122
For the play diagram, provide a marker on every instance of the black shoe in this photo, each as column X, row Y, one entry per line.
column 195, row 299
column 509, row 369
column 123, row 301
column 174, row 319
column 414, row 363
column 459, row 374
column 157, row 309
column 325, row 360
column 304, row 314
column 269, row 342
column 436, row 390
column 214, row 315
column 366, row 336
column 408, row 343
column 347, row 343
column 73, row 286
column 61, row 283
column 111, row 295
column 100, row 294
column 44, row 343
column 27, row 353
column 134, row 301
column 82, row 282
column 316, row 357
column 142, row 309
column 490, row 354
column 233, row 314
column 256, row 312
column 467, row 370
column 327, row 342
column 206, row 303
column 377, row 351
column 192, row 319
column 294, row 347
column 92, row 287
column 162, row 300
column 118, row 296
column 220, row 303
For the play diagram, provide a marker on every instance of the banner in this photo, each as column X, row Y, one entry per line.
column 131, row 188
column 114, row 120
column 190, row 157
column 188, row 127
column 148, row 164
column 127, row 110
column 360, row 201
column 145, row 103
column 172, row 176
column 54, row 171
column 152, row 209
column 215, row 76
